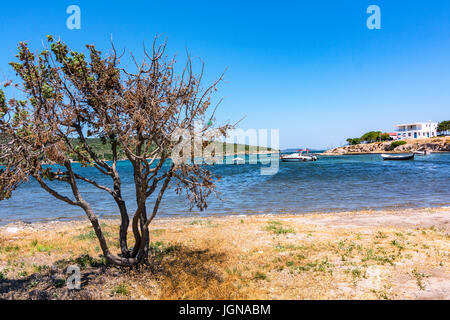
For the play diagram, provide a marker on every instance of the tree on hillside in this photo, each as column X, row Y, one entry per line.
column 371, row 136
column 443, row 127
column 385, row 137
column 353, row 141
column 70, row 97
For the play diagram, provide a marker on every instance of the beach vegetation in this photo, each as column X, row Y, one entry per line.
column 160, row 248
column 157, row 232
column 381, row 235
column 33, row 284
column 40, row 268
column 278, row 228
column 381, row 294
column 59, row 283
column 83, row 261
column 317, row 266
column 89, row 107
column 378, row 258
column 41, row 247
column 357, row 273
column 121, row 289
column 23, row 274
column 195, row 222
column 419, row 278
column 288, row 247
column 260, row 276
column 397, row 244
column 91, row 235
column 9, row 249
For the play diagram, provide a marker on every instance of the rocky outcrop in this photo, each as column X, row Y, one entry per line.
column 438, row 144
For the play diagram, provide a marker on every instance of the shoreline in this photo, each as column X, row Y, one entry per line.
column 263, row 152
column 181, row 219
column 391, row 254
column 115, row 219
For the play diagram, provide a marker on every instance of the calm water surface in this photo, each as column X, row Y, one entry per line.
column 330, row 184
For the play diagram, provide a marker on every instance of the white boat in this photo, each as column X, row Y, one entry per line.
column 422, row 153
column 238, row 161
column 298, row 157
column 397, row 157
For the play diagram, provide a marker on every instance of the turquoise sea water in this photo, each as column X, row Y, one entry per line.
column 329, row 184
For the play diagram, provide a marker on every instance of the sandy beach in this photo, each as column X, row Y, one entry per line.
column 400, row 254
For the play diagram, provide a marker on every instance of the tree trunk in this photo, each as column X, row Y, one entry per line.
column 124, row 223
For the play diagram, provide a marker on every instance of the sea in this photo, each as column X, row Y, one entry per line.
column 330, row 184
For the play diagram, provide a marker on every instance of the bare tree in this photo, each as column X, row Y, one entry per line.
column 69, row 98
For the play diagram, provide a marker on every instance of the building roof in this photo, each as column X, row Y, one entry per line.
column 414, row 123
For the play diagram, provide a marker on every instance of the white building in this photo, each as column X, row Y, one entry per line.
column 416, row 130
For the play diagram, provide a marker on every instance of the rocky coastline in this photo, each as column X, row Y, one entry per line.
column 437, row 144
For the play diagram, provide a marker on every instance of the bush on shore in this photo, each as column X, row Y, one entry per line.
column 396, row 144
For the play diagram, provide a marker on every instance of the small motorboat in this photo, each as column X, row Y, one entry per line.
column 238, row 161
column 298, row 157
column 398, row 157
column 422, row 153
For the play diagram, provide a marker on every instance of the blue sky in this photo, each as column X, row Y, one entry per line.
column 309, row 68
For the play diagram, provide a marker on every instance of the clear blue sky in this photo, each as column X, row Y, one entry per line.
column 309, row 68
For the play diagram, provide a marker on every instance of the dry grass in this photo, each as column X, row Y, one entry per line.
column 251, row 257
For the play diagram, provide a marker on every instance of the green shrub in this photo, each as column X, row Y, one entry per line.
column 260, row 276
column 160, row 248
column 40, row 268
column 395, row 144
column 84, row 261
column 277, row 227
column 10, row 249
column 59, row 283
column 121, row 289
column 353, row 141
column 91, row 235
